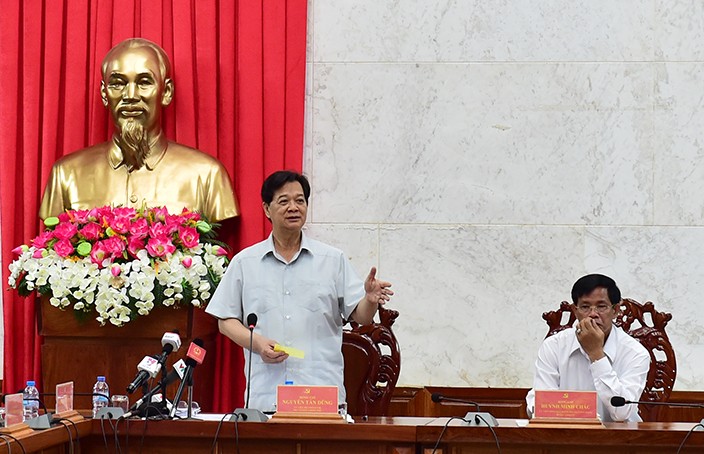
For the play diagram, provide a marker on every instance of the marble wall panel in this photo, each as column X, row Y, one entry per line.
column 479, row 30
column 486, row 154
column 516, row 144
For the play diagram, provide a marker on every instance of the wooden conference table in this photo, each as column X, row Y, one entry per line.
column 400, row 435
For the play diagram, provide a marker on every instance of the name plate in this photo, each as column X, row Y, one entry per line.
column 562, row 404
column 306, row 399
column 64, row 397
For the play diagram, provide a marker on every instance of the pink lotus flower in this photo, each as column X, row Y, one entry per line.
column 124, row 212
column 120, row 224
column 114, row 246
column 134, row 245
column 43, row 239
column 160, row 213
column 158, row 229
column 115, row 270
column 187, row 262
column 63, row 248
column 65, row 230
column 80, row 216
column 220, row 251
column 99, row 253
column 188, row 236
column 160, row 246
column 139, row 228
column 19, row 250
column 172, row 224
column 39, row 253
column 91, row 231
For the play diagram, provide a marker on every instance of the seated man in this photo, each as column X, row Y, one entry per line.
column 595, row 354
column 302, row 291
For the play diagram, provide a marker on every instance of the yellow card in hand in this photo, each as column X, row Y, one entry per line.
column 296, row 353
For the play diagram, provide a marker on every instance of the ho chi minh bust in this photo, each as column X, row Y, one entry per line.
column 139, row 166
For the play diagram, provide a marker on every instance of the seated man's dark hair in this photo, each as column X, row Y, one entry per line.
column 276, row 180
column 586, row 284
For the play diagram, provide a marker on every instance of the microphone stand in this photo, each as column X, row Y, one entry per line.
column 189, row 414
column 246, row 413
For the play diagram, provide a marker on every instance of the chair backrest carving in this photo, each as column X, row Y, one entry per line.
column 372, row 365
column 647, row 325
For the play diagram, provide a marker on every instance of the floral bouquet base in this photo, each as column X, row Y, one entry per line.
column 116, row 264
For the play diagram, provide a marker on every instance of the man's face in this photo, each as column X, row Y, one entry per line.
column 133, row 88
column 288, row 208
column 597, row 306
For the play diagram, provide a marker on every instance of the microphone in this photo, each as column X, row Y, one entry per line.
column 437, row 397
column 246, row 413
column 478, row 418
column 170, row 378
column 170, row 342
column 195, row 356
column 148, row 368
column 618, row 401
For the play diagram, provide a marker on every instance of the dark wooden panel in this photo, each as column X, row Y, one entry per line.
column 78, row 351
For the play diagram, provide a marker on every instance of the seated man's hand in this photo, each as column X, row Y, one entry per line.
column 591, row 338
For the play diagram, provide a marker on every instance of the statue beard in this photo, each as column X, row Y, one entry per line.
column 134, row 144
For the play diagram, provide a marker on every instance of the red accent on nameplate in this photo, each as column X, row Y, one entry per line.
column 306, row 399
column 564, row 404
column 196, row 352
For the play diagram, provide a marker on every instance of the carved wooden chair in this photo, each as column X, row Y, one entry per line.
column 372, row 365
column 647, row 325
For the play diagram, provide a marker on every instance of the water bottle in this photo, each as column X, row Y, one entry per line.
column 30, row 401
column 100, row 387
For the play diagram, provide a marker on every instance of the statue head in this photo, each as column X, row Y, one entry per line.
column 135, row 87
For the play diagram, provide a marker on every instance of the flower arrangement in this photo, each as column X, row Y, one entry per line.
column 121, row 262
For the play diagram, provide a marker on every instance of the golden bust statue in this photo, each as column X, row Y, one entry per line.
column 139, row 165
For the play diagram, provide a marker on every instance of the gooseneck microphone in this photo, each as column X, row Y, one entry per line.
column 618, row 401
column 437, row 397
column 251, row 323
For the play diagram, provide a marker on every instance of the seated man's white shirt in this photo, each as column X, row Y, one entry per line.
column 563, row 364
column 301, row 304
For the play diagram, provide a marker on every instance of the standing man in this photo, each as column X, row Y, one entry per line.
column 594, row 354
column 139, row 166
column 302, row 292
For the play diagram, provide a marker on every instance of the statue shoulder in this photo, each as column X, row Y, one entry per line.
column 84, row 157
column 192, row 156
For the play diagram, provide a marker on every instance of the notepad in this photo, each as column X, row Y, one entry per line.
column 296, row 353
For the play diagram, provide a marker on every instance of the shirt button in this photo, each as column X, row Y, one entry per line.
column 133, row 198
column 288, row 317
column 287, row 292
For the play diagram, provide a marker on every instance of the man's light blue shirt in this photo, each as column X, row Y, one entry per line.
column 301, row 304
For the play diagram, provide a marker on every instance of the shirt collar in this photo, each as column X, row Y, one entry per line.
column 157, row 147
column 306, row 245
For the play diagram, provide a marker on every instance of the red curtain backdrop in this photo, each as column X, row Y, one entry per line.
column 239, row 72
